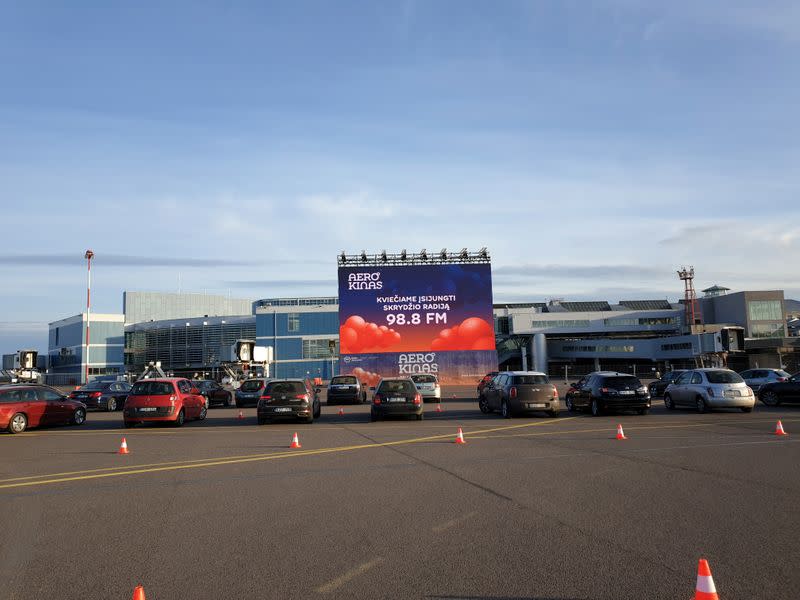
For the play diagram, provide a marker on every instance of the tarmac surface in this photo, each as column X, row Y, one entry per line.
column 530, row 508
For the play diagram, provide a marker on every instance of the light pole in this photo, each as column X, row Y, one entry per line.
column 88, row 256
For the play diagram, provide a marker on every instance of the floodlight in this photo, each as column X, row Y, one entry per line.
column 343, row 257
column 443, row 254
column 423, row 254
column 383, row 256
column 403, row 255
column 464, row 254
column 364, row 256
column 483, row 252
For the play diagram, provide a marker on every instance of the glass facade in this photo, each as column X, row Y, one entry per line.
column 765, row 310
column 766, row 330
column 560, row 323
column 314, row 349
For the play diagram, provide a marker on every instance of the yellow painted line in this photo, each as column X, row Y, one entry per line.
column 452, row 523
column 138, row 469
column 345, row 577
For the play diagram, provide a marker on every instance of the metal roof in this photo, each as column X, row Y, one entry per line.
column 597, row 306
column 646, row 304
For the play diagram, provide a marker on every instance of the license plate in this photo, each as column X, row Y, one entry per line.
column 283, row 409
column 537, row 405
column 397, row 399
column 627, row 393
column 731, row 393
column 148, row 409
column 82, row 396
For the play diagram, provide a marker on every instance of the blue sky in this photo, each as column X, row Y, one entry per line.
column 238, row 147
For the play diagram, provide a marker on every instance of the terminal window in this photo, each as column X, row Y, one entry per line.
column 320, row 349
column 765, row 310
column 294, row 322
column 560, row 323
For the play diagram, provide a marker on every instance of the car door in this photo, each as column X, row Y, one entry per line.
column 39, row 412
column 191, row 402
column 790, row 389
column 57, row 410
column 695, row 388
column 585, row 392
column 495, row 388
column 678, row 390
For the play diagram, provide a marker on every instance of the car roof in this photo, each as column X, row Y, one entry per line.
column 523, row 373
column 611, row 374
column 163, row 379
column 396, row 379
column 292, row 379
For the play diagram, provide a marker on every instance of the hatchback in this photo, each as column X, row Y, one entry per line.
column 706, row 389
column 249, row 392
column 659, row 385
column 170, row 400
column 24, row 406
column 103, row 395
column 609, row 391
column 213, row 392
column 346, row 388
column 428, row 386
column 396, row 397
column 288, row 398
column 772, row 394
column 519, row 392
column 755, row 378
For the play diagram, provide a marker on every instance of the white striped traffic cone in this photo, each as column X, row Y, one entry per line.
column 705, row 590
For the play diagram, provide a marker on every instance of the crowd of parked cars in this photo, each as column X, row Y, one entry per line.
column 175, row 400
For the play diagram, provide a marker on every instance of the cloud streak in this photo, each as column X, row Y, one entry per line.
column 125, row 260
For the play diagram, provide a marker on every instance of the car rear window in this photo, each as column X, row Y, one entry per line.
column 723, row 377
column 344, row 380
column 423, row 379
column 8, row 396
column 616, row 383
column 286, row 387
column 780, row 373
column 95, row 385
column 397, row 387
column 673, row 375
column 529, row 379
column 152, row 388
column 252, row 385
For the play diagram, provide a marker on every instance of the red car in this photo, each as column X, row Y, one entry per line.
column 486, row 379
column 172, row 400
column 23, row 406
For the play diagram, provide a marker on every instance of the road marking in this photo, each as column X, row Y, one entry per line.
column 138, row 469
column 345, row 577
column 452, row 523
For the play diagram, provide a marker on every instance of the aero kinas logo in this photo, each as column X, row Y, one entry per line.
column 408, row 364
column 364, row 281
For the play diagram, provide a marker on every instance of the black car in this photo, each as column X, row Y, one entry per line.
column 346, row 388
column 772, row 394
column 288, row 398
column 213, row 392
column 519, row 392
column 396, row 397
column 657, row 388
column 250, row 391
column 103, row 395
column 609, row 391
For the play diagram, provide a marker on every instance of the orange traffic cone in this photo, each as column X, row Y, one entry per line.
column 439, row 407
column 123, row 447
column 779, row 429
column 138, row 593
column 705, row 589
column 295, row 442
column 460, row 437
column 241, row 415
column 620, row 433
column 341, row 411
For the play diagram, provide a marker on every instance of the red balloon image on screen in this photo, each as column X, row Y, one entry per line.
column 357, row 336
column 471, row 334
column 366, row 377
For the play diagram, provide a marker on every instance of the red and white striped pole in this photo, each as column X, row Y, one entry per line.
column 88, row 256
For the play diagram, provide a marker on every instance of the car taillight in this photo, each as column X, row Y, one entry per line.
column 95, row 394
column 173, row 399
column 781, row 378
column 436, row 386
column 303, row 397
column 417, row 399
column 609, row 391
column 266, row 397
column 710, row 391
column 512, row 392
column 555, row 392
column 376, row 399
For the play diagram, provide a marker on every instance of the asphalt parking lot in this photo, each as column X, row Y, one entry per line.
column 533, row 508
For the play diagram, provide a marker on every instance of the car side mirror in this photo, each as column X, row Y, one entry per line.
column 195, row 391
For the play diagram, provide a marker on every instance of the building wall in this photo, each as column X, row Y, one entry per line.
column 141, row 307
column 66, row 348
column 747, row 310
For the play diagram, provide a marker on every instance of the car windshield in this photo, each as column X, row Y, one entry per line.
column 529, row 379
column 151, row 388
column 723, row 377
column 423, row 379
column 348, row 380
column 396, row 387
column 286, row 387
column 673, row 375
column 616, row 383
column 251, row 385
column 782, row 373
column 204, row 385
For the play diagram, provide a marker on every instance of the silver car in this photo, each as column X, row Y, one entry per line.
column 706, row 389
column 427, row 386
column 755, row 378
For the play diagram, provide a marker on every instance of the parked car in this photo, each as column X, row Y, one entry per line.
column 213, row 392
column 518, row 392
column 773, row 394
column 172, row 400
column 23, row 406
column 288, row 398
column 346, row 388
column 250, row 391
column 428, row 386
column 103, row 395
column 609, row 391
column 755, row 378
column 659, row 385
column 486, row 379
column 706, row 389
column 396, row 397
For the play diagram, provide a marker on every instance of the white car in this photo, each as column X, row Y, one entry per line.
column 705, row 389
column 427, row 386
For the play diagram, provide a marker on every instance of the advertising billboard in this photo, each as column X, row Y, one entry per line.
column 402, row 320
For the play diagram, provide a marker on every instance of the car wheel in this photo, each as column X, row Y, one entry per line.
column 180, row 419
column 18, row 423
column 420, row 417
column 373, row 417
column 700, row 404
column 203, row 414
column 505, row 410
column 483, row 405
column 262, row 421
column 570, row 405
column 318, row 412
column 309, row 419
column 127, row 424
column 78, row 417
column 668, row 402
column 595, row 408
column 643, row 411
column 111, row 405
column 231, row 400
column 770, row 398
column 747, row 409
column 553, row 414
